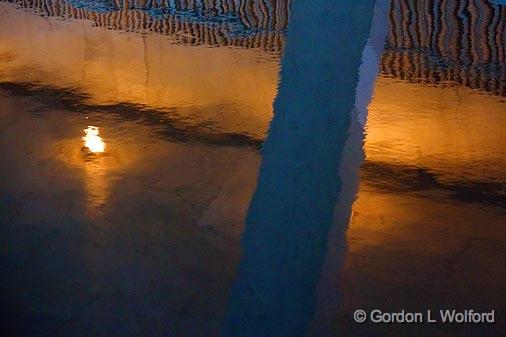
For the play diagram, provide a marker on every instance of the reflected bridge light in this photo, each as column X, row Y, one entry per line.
column 92, row 141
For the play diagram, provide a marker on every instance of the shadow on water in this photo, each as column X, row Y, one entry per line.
column 396, row 178
column 293, row 208
column 166, row 123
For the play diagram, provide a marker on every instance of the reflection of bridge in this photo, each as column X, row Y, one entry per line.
column 441, row 41
column 242, row 23
column 430, row 41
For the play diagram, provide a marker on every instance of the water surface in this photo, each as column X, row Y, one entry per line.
column 250, row 168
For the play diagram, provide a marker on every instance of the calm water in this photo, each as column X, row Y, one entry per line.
column 250, row 167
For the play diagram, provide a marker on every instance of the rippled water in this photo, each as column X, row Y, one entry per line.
column 250, row 168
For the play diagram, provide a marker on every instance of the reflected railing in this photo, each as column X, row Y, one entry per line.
column 463, row 46
column 238, row 23
column 448, row 42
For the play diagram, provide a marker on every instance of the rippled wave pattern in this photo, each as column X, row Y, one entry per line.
column 443, row 42
column 240, row 23
column 436, row 42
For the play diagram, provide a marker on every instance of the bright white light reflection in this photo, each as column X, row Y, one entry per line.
column 92, row 140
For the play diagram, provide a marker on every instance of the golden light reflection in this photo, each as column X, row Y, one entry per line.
column 98, row 165
column 225, row 90
column 92, row 140
column 452, row 131
column 452, row 137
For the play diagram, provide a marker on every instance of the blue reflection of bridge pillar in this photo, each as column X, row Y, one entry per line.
column 287, row 225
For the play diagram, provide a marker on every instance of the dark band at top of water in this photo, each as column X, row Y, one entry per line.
column 245, row 23
column 462, row 43
column 449, row 42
